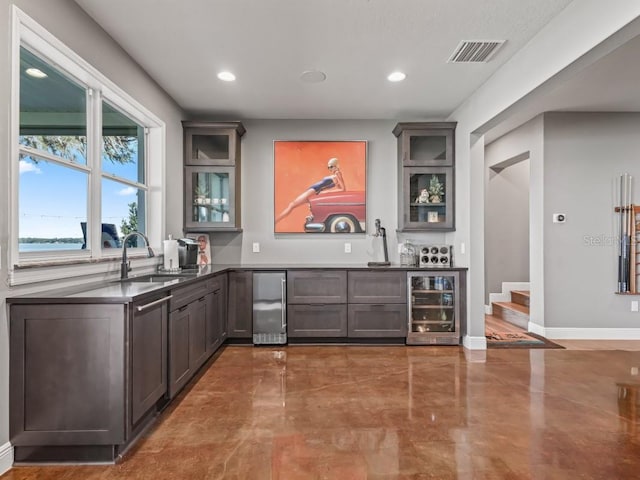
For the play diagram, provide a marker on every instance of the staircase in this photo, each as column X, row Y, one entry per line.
column 516, row 311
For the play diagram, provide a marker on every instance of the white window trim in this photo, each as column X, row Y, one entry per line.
column 25, row 30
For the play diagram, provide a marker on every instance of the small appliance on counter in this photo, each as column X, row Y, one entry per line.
column 170, row 252
column 187, row 253
column 436, row 256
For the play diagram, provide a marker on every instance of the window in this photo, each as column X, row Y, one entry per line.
column 80, row 169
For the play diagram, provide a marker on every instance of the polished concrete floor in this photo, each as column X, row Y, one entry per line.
column 336, row 412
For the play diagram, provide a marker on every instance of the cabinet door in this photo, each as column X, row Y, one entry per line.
column 210, row 199
column 148, row 356
column 216, row 319
column 426, row 144
column 240, row 315
column 317, row 320
column 377, row 287
column 197, row 332
column 211, row 144
column 67, row 374
column 377, row 320
column 317, row 286
column 179, row 365
column 426, row 201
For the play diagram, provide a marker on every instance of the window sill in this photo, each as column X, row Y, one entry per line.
column 107, row 268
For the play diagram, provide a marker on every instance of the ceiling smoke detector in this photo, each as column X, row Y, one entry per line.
column 475, row 51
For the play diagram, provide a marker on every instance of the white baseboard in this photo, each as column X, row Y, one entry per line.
column 590, row 333
column 535, row 328
column 6, row 457
column 474, row 343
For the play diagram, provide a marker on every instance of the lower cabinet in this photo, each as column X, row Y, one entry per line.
column 317, row 320
column 216, row 325
column 377, row 304
column 148, row 355
column 347, row 304
column 90, row 402
column 196, row 328
column 377, row 320
column 240, row 314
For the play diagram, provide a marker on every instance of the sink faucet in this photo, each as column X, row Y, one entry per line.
column 125, row 266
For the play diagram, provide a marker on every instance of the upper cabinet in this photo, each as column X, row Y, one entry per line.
column 426, row 189
column 426, row 144
column 212, row 176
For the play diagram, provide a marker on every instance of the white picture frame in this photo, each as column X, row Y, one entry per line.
column 204, row 247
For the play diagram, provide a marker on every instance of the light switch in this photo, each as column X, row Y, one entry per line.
column 256, row 247
column 634, row 305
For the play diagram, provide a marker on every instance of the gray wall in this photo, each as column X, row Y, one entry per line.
column 584, row 157
column 66, row 21
column 506, row 247
column 257, row 197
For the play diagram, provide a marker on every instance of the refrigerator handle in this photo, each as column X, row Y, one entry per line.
column 283, row 300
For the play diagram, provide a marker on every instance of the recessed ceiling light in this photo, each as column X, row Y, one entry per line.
column 396, row 77
column 35, row 73
column 226, row 76
column 313, row 76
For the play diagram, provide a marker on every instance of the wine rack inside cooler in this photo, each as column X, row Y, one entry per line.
column 434, row 310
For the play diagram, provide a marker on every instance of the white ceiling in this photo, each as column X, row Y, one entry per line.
column 357, row 43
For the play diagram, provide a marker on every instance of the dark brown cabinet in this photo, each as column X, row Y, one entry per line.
column 85, row 377
column 212, row 176
column 377, row 304
column 316, row 303
column 148, row 355
column 240, row 314
column 426, row 166
column 216, row 327
column 193, row 331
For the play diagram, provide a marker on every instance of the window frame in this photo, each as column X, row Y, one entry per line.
column 31, row 267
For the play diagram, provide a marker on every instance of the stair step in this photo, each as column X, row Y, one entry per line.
column 514, row 313
column 520, row 296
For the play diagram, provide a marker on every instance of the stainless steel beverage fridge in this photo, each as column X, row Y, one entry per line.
column 434, row 308
column 269, row 308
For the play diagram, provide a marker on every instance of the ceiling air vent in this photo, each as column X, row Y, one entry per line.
column 475, row 51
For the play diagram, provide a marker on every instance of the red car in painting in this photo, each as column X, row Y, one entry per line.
column 337, row 212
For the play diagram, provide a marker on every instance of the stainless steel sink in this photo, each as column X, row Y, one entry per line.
column 153, row 278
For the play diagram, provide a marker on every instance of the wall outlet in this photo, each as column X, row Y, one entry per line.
column 463, row 248
column 256, row 247
column 634, row 370
column 634, row 305
column 347, row 247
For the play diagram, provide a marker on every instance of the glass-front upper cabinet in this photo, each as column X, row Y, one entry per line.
column 211, row 203
column 212, row 143
column 434, row 308
column 426, row 163
column 426, row 144
column 426, row 202
column 212, row 176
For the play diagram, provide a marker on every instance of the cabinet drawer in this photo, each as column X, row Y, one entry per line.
column 377, row 287
column 322, row 320
column 187, row 294
column 371, row 320
column 317, row 286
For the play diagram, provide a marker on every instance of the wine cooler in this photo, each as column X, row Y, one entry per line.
column 434, row 308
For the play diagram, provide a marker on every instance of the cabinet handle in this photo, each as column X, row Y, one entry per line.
column 140, row 308
column 283, row 301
